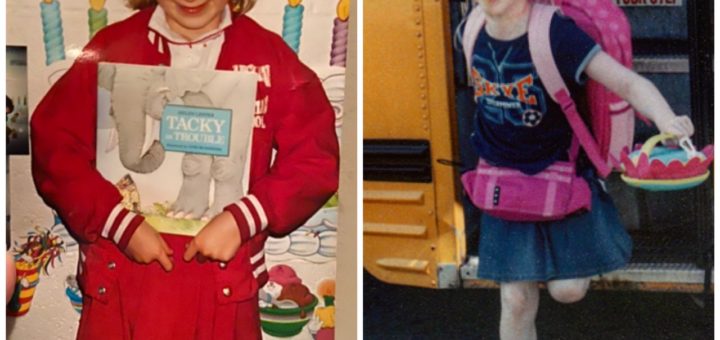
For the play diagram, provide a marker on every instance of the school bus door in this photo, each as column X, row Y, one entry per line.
column 413, row 225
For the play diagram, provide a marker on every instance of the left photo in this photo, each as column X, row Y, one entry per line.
column 174, row 166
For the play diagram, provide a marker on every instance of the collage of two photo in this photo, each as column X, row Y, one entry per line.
column 345, row 169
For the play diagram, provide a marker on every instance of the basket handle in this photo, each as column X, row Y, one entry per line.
column 684, row 143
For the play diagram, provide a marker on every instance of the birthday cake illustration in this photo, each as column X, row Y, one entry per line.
column 286, row 304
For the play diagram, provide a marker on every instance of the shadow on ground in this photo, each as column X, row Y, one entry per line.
column 399, row 312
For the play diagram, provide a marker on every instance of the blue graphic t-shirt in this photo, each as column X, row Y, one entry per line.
column 517, row 124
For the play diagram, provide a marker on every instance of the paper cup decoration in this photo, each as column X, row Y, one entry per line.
column 38, row 253
column 28, row 277
column 660, row 168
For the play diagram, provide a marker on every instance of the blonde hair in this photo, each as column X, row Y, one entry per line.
column 237, row 6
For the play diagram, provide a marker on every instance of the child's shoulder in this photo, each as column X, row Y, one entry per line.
column 268, row 45
column 563, row 24
column 565, row 31
column 250, row 29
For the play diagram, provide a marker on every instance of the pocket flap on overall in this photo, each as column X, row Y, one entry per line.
column 98, row 274
column 234, row 280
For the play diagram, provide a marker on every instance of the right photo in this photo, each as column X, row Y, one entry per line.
column 538, row 169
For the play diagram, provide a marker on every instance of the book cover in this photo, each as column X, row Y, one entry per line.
column 175, row 142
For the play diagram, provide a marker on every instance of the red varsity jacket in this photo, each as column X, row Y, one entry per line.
column 292, row 116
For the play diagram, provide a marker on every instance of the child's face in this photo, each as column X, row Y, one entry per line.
column 193, row 18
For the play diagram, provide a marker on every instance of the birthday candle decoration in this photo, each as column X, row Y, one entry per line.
column 292, row 24
column 338, row 53
column 97, row 16
column 52, row 31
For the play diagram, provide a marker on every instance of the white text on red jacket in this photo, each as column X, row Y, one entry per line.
column 261, row 105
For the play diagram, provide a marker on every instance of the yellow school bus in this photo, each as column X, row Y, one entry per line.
column 415, row 217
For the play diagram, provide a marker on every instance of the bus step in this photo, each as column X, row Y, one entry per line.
column 660, row 277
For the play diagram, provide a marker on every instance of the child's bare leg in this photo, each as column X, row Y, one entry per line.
column 568, row 291
column 519, row 305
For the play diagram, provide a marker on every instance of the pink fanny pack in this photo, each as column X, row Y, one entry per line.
column 512, row 195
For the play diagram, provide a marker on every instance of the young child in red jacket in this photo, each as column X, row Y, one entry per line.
column 137, row 284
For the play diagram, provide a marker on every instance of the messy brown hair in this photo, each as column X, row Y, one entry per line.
column 237, row 6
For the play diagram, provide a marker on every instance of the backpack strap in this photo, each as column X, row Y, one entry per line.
column 542, row 57
column 473, row 24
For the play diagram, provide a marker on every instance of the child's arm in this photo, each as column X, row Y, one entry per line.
column 639, row 92
column 305, row 172
column 63, row 165
column 63, row 157
column 302, row 178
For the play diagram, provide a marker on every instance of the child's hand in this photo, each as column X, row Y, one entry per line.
column 218, row 240
column 680, row 126
column 146, row 246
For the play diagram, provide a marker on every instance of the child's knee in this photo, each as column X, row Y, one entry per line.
column 518, row 302
column 568, row 291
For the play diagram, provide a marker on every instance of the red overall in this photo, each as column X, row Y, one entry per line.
column 125, row 300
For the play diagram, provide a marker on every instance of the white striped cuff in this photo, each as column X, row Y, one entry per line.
column 257, row 263
column 259, row 270
column 120, row 222
column 249, row 216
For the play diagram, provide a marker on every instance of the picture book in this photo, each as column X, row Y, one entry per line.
column 175, row 142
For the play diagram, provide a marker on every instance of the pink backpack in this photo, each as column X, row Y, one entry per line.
column 612, row 118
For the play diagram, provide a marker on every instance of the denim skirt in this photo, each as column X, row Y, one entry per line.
column 582, row 245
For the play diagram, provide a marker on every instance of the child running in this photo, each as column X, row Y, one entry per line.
column 567, row 252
